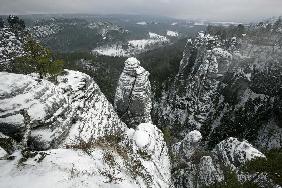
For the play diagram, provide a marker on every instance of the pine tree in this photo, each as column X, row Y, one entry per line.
column 38, row 59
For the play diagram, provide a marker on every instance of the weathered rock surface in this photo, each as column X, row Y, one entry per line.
column 104, row 163
column 234, row 153
column 189, row 97
column 186, row 148
column 133, row 94
column 223, row 92
column 200, row 168
column 74, row 137
column 225, row 88
column 56, row 112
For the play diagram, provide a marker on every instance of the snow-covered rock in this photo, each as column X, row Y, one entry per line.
column 222, row 53
column 269, row 137
column 209, row 173
column 201, row 174
column 142, row 138
column 103, row 164
column 85, row 143
column 73, row 109
column 226, row 86
column 186, row 148
column 133, row 94
column 207, row 168
column 76, row 168
column 3, row 153
column 7, row 144
column 190, row 95
column 197, row 169
column 149, row 142
column 234, row 153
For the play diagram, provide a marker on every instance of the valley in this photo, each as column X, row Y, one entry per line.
column 139, row 101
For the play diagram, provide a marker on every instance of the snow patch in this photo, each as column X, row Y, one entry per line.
column 113, row 50
column 2, row 153
column 14, row 119
column 141, row 138
column 132, row 47
column 172, row 33
column 141, row 23
column 194, row 136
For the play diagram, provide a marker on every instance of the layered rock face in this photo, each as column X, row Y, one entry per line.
column 133, row 94
column 225, row 88
column 197, row 167
column 70, row 134
column 188, row 100
column 234, row 153
column 228, row 89
column 72, row 110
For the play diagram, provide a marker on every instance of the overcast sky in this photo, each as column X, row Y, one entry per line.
column 217, row 10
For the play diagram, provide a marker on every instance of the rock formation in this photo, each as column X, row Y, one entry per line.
column 198, row 167
column 225, row 88
column 70, row 134
column 223, row 106
column 55, row 111
column 133, row 94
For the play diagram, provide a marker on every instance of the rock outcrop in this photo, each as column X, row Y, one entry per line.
column 229, row 90
column 225, row 87
column 133, row 94
column 233, row 153
column 72, row 110
column 70, row 134
column 190, row 95
column 197, row 167
column 186, row 148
